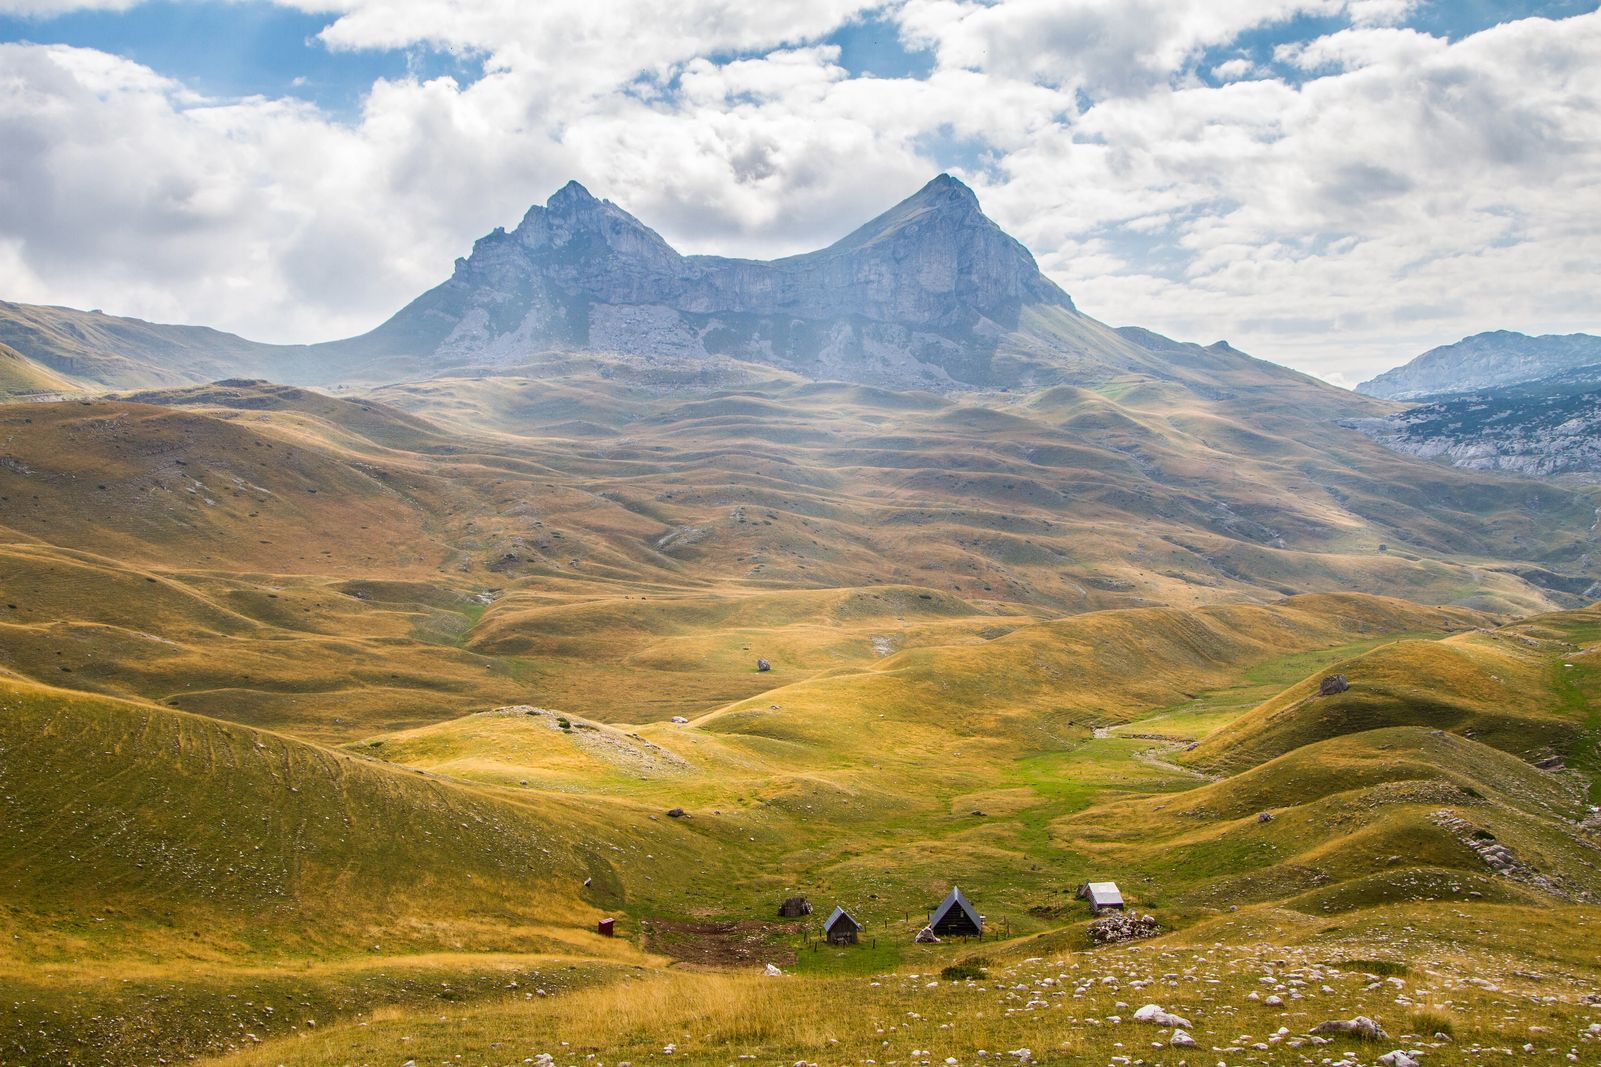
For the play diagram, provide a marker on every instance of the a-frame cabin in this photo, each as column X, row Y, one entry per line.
column 956, row 917
column 841, row 929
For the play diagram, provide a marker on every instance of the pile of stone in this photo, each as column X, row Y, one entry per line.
column 1119, row 926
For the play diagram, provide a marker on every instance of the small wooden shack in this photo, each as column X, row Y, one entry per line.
column 607, row 927
column 841, row 929
column 1103, row 896
column 956, row 917
column 794, row 908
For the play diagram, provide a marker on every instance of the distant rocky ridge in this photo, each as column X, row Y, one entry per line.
column 1485, row 361
column 929, row 295
column 1542, row 428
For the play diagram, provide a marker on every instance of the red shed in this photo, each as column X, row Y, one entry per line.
column 607, row 927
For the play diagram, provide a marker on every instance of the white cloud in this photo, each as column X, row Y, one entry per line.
column 1410, row 191
column 1234, row 69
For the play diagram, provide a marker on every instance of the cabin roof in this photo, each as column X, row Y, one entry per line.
column 1102, row 893
column 836, row 915
column 956, row 899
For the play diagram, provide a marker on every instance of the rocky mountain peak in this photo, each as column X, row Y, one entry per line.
column 923, row 293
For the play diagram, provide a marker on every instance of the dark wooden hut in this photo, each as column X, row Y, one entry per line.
column 956, row 917
column 841, row 929
column 794, row 908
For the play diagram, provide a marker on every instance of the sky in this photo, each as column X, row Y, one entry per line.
column 1336, row 185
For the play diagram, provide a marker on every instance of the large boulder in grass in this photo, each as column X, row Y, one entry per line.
column 1153, row 1013
column 1361, row 1027
column 1333, row 684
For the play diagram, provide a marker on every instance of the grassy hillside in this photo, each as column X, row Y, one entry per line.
column 116, row 352
column 185, row 876
column 22, row 378
column 1512, row 688
column 359, row 709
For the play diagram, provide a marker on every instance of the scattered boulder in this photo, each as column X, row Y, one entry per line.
column 762, row 666
column 1334, row 683
column 1153, row 1013
column 679, row 719
column 1398, row 1058
column 1361, row 1026
column 927, row 936
column 772, row 972
column 978, row 813
column 1551, row 763
column 1265, row 816
column 677, row 813
column 1182, row 1039
column 1123, row 926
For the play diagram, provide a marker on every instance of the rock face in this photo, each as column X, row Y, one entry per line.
column 1542, row 428
column 1485, row 361
column 923, row 294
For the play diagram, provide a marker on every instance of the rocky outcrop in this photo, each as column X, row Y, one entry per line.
column 1485, row 361
column 1539, row 429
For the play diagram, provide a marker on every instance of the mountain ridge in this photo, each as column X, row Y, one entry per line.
column 930, row 294
column 1483, row 361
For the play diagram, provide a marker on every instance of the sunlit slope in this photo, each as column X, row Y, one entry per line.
column 161, row 487
column 642, row 656
column 883, row 756
column 22, row 378
column 1360, row 820
column 181, row 833
column 1057, row 679
column 1419, row 783
column 1519, row 688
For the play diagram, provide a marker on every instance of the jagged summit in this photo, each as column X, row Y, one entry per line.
column 926, row 293
column 930, row 294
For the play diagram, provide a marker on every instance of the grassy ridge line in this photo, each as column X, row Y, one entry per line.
column 1353, row 825
column 180, row 834
column 1500, row 686
column 1057, row 679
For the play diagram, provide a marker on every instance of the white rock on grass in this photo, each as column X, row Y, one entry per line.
column 1182, row 1039
column 1361, row 1026
column 772, row 972
column 1398, row 1058
column 1153, row 1013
